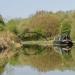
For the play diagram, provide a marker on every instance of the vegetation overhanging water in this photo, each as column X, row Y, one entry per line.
column 43, row 26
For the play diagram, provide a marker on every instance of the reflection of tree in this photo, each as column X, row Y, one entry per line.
column 3, row 62
column 1, row 69
column 48, row 60
column 34, row 49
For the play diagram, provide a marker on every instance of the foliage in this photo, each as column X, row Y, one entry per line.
column 44, row 23
column 12, row 25
column 66, row 27
column 2, row 24
column 1, row 27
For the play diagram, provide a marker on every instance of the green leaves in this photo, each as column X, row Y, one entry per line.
column 1, row 27
column 2, row 24
column 66, row 27
column 12, row 25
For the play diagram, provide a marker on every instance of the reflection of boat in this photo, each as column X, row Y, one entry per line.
column 64, row 43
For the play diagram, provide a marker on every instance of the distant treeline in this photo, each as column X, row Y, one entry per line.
column 48, row 24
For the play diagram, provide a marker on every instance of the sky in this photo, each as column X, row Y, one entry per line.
column 28, row 70
column 24, row 8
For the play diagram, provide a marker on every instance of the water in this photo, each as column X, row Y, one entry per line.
column 28, row 70
column 40, row 60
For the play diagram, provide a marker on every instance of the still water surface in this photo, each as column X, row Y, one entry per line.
column 47, row 59
column 28, row 70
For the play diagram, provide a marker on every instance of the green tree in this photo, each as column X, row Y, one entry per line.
column 66, row 27
column 12, row 25
column 42, row 22
column 2, row 24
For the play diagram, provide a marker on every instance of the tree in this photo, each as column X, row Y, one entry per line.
column 66, row 27
column 2, row 24
column 42, row 22
column 12, row 25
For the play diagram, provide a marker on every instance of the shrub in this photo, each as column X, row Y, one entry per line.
column 66, row 27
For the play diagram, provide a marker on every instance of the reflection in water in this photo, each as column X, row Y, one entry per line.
column 43, row 58
column 33, row 49
column 28, row 70
column 46, row 60
column 64, row 45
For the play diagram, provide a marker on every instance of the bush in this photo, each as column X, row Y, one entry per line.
column 2, row 24
column 1, row 27
column 12, row 25
column 44, row 23
column 66, row 27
